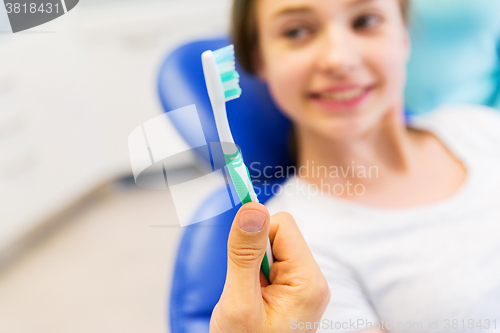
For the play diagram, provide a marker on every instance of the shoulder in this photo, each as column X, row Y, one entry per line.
column 475, row 126
column 462, row 115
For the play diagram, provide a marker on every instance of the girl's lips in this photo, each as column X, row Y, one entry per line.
column 341, row 100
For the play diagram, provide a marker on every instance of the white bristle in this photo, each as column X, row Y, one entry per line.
column 232, row 97
column 233, row 84
column 226, row 67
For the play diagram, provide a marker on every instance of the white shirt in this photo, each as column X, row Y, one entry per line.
column 419, row 266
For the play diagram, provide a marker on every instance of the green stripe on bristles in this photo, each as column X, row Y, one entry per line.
column 232, row 94
column 228, row 76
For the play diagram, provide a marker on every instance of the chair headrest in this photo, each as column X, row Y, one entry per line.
column 257, row 125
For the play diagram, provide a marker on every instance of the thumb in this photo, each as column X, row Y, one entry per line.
column 246, row 247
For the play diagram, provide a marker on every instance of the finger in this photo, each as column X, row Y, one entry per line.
column 289, row 248
column 246, row 247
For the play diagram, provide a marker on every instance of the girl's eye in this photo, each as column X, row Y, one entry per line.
column 366, row 21
column 296, row 33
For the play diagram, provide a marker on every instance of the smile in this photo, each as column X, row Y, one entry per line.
column 342, row 98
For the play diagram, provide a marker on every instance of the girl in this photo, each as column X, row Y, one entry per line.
column 400, row 218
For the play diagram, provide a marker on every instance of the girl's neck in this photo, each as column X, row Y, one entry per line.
column 388, row 146
column 390, row 166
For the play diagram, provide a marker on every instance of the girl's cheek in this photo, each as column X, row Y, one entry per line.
column 390, row 61
column 283, row 72
column 285, row 86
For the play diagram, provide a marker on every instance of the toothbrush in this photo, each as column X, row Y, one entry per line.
column 222, row 81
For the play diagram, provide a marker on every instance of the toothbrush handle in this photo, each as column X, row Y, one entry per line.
column 242, row 183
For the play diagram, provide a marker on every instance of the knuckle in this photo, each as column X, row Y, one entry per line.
column 247, row 313
column 245, row 256
column 283, row 216
column 284, row 219
column 232, row 311
column 322, row 294
column 243, row 315
column 319, row 293
column 325, row 291
column 233, row 315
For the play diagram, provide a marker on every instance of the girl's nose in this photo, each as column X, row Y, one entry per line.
column 338, row 55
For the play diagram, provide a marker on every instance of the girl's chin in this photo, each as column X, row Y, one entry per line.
column 342, row 128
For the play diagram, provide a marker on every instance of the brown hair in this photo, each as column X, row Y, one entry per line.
column 244, row 30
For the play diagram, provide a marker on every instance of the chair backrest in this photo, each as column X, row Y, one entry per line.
column 262, row 133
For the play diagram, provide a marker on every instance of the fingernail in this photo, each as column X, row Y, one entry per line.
column 252, row 221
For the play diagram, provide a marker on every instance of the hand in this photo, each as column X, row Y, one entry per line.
column 297, row 292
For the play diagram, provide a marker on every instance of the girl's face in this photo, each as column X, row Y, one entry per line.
column 335, row 67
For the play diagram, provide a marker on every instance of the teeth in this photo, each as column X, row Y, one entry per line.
column 341, row 96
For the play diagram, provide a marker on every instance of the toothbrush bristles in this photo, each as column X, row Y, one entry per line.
column 226, row 63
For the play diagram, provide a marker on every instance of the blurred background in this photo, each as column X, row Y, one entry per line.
column 82, row 248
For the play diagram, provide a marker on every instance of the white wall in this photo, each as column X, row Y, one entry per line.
column 72, row 90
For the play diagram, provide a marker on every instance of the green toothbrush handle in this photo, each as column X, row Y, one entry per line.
column 240, row 177
column 243, row 184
